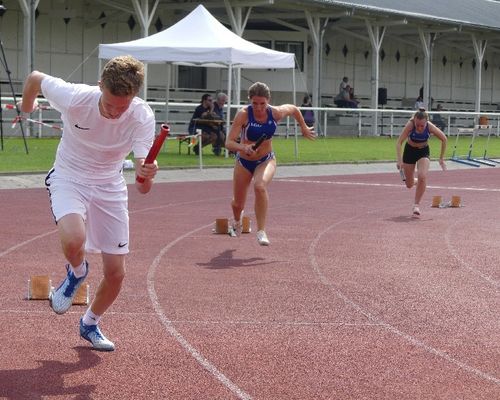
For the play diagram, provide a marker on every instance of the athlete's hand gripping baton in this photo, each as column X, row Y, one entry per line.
column 155, row 149
column 259, row 141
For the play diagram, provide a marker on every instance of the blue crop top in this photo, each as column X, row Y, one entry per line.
column 420, row 137
column 254, row 130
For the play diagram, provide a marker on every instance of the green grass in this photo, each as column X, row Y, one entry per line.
column 41, row 155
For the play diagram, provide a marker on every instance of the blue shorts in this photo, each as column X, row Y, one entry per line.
column 250, row 165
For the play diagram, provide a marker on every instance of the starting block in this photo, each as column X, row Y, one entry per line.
column 437, row 201
column 40, row 286
column 222, row 226
column 456, row 201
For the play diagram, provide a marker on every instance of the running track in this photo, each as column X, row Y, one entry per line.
column 352, row 300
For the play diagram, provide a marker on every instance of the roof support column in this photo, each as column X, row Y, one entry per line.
column 427, row 40
column 145, row 17
column 479, row 50
column 316, row 31
column 238, row 24
column 28, row 7
column 376, row 34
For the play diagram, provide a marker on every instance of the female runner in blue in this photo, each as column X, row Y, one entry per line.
column 250, row 123
column 417, row 132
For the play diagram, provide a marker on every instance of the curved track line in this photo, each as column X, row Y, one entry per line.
column 11, row 249
column 205, row 363
column 465, row 264
column 414, row 341
column 17, row 246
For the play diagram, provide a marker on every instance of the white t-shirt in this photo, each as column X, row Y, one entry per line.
column 92, row 148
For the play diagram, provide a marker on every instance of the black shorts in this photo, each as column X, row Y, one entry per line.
column 412, row 154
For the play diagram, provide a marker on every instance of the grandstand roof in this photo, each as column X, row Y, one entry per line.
column 477, row 14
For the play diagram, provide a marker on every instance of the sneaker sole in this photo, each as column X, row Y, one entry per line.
column 60, row 311
column 97, row 348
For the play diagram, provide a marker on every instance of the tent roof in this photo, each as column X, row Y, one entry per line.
column 476, row 13
column 199, row 39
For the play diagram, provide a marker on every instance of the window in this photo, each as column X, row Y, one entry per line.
column 264, row 43
column 296, row 48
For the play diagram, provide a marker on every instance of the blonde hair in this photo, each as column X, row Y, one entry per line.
column 259, row 89
column 123, row 76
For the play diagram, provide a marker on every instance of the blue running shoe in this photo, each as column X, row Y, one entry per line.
column 93, row 334
column 61, row 299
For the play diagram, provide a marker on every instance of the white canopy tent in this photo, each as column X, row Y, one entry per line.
column 200, row 39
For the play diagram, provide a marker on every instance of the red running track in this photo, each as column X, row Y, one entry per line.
column 352, row 300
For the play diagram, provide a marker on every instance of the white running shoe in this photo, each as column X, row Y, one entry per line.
column 262, row 238
column 237, row 227
column 93, row 334
column 416, row 211
column 61, row 298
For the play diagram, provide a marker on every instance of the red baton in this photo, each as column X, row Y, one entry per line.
column 155, row 149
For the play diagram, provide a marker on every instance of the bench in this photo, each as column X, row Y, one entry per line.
column 184, row 138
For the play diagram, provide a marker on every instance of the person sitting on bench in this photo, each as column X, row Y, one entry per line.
column 201, row 119
column 345, row 98
column 437, row 119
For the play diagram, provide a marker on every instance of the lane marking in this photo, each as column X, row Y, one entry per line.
column 414, row 341
column 206, row 322
column 465, row 264
column 373, row 184
column 17, row 246
column 168, row 324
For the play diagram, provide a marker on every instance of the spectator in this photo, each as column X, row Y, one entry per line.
column 437, row 119
column 345, row 97
column 419, row 103
column 220, row 101
column 307, row 114
column 209, row 131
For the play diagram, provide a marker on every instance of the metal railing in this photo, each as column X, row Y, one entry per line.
column 330, row 121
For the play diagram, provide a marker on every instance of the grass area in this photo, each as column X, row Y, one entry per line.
column 41, row 155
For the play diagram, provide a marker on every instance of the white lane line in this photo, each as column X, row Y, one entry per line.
column 205, row 363
column 414, row 341
column 373, row 184
column 21, row 244
column 465, row 264
column 211, row 322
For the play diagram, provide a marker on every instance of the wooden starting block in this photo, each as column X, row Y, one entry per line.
column 82, row 295
column 39, row 287
column 456, row 201
column 222, row 225
column 437, row 201
column 246, row 225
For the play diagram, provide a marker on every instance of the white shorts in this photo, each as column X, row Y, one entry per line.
column 104, row 208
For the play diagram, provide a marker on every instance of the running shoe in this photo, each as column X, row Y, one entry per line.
column 262, row 238
column 61, row 299
column 93, row 334
column 416, row 211
column 237, row 227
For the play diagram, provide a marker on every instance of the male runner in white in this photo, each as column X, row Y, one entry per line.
column 87, row 191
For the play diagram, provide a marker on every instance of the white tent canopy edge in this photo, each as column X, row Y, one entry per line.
column 199, row 39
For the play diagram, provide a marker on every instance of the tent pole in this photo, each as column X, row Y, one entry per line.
column 167, row 94
column 228, row 113
column 295, row 121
